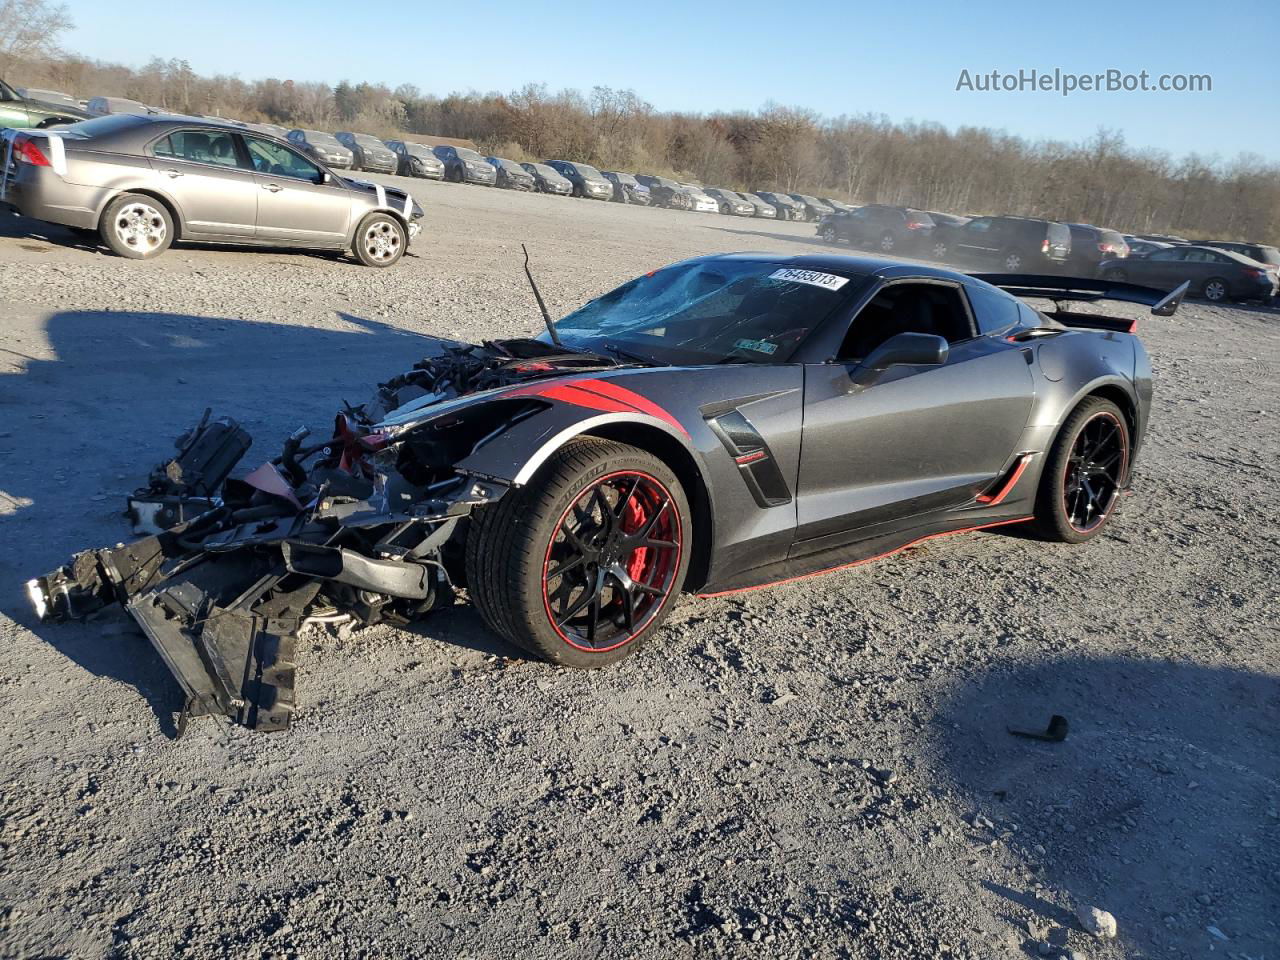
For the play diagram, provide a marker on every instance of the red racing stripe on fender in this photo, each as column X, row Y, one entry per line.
column 641, row 403
column 568, row 393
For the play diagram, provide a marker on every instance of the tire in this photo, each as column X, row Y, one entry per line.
column 1012, row 261
column 887, row 242
column 1067, row 509
column 512, row 546
column 380, row 240
column 939, row 250
column 1215, row 290
column 136, row 226
column 1115, row 274
column 828, row 233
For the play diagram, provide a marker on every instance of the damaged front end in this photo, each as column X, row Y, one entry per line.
column 365, row 525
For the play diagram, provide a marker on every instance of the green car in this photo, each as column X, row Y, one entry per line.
column 17, row 111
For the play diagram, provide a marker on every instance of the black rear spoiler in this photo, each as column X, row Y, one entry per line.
column 1083, row 290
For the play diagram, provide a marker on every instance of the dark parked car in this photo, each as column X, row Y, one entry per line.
column 511, row 176
column 416, row 160
column 884, row 228
column 787, row 208
column 369, row 153
column 1262, row 252
column 1216, row 275
column 548, row 180
column 712, row 426
column 323, row 147
column 19, row 111
column 666, row 193
column 270, row 129
column 1144, row 248
column 762, row 209
column 464, row 165
column 587, row 181
column 1091, row 245
column 731, row 203
column 839, row 206
column 627, row 189
column 1013, row 244
column 814, row 209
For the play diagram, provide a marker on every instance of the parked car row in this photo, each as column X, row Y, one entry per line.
column 1217, row 270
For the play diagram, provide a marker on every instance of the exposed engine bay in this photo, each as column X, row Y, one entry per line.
column 366, row 524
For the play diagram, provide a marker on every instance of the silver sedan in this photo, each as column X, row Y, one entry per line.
column 143, row 181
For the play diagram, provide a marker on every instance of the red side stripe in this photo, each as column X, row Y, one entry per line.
column 642, row 403
column 858, row 563
column 569, row 393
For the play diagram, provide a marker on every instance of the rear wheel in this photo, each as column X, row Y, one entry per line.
column 939, row 249
column 1215, row 289
column 580, row 566
column 136, row 226
column 1115, row 274
column 887, row 242
column 828, row 233
column 380, row 240
column 1087, row 468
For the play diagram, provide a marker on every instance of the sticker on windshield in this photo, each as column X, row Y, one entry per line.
column 759, row 346
column 827, row 281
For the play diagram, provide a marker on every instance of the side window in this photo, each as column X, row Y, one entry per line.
column 279, row 161
column 1166, row 254
column 993, row 309
column 938, row 309
column 198, row 146
column 981, row 225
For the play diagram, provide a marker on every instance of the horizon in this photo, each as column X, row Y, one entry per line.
column 731, row 64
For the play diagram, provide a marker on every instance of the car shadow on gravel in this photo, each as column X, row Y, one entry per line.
column 82, row 430
column 1159, row 807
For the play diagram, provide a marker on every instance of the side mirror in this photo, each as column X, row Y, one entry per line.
column 911, row 349
column 326, row 177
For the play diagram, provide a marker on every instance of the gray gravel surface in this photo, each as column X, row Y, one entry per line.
column 818, row 769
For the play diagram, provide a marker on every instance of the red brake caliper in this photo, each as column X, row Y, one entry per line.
column 633, row 519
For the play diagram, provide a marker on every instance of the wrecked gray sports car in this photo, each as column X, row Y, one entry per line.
column 716, row 425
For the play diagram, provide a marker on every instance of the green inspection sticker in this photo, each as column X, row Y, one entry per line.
column 759, row 346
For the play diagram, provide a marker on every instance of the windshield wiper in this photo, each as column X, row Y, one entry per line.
column 624, row 354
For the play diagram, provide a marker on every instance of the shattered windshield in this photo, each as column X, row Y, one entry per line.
column 710, row 312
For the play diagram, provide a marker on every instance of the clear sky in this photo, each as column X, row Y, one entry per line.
column 902, row 60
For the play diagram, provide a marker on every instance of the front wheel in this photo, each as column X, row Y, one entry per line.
column 887, row 242
column 1013, row 262
column 1215, row 290
column 1116, row 274
column 580, row 566
column 380, row 240
column 939, row 250
column 1087, row 468
column 828, row 233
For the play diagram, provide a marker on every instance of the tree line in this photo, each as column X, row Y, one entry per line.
column 862, row 158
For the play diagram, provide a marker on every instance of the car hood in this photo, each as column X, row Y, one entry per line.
column 395, row 196
column 59, row 108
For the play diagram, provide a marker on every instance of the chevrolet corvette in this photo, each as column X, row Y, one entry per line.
column 719, row 424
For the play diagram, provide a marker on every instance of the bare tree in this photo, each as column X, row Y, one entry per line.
column 29, row 30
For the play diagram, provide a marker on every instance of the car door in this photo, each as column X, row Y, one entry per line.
column 917, row 439
column 1163, row 267
column 298, row 201
column 973, row 240
column 201, row 170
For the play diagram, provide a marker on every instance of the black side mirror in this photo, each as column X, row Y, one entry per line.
column 903, row 349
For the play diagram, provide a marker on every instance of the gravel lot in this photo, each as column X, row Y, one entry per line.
column 819, row 769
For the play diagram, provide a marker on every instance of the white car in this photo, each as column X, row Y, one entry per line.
column 701, row 202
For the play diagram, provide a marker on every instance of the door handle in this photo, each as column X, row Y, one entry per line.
column 273, row 187
column 171, row 173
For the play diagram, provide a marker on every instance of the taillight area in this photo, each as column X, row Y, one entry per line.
column 1044, row 247
column 1253, row 273
column 25, row 151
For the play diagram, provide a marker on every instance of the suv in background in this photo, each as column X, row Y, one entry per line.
column 463, row 165
column 511, row 176
column 370, row 153
column 587, row 180
column 666, row 193
column 626, row 188
column 546, row 180
column 1012, row 244
column 814, row 209
column 416, row 160
column 323, row 147
column 18, row 111
column 887, row 229
column 1091, row 245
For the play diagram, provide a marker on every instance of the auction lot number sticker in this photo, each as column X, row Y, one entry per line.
column 827, row 281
